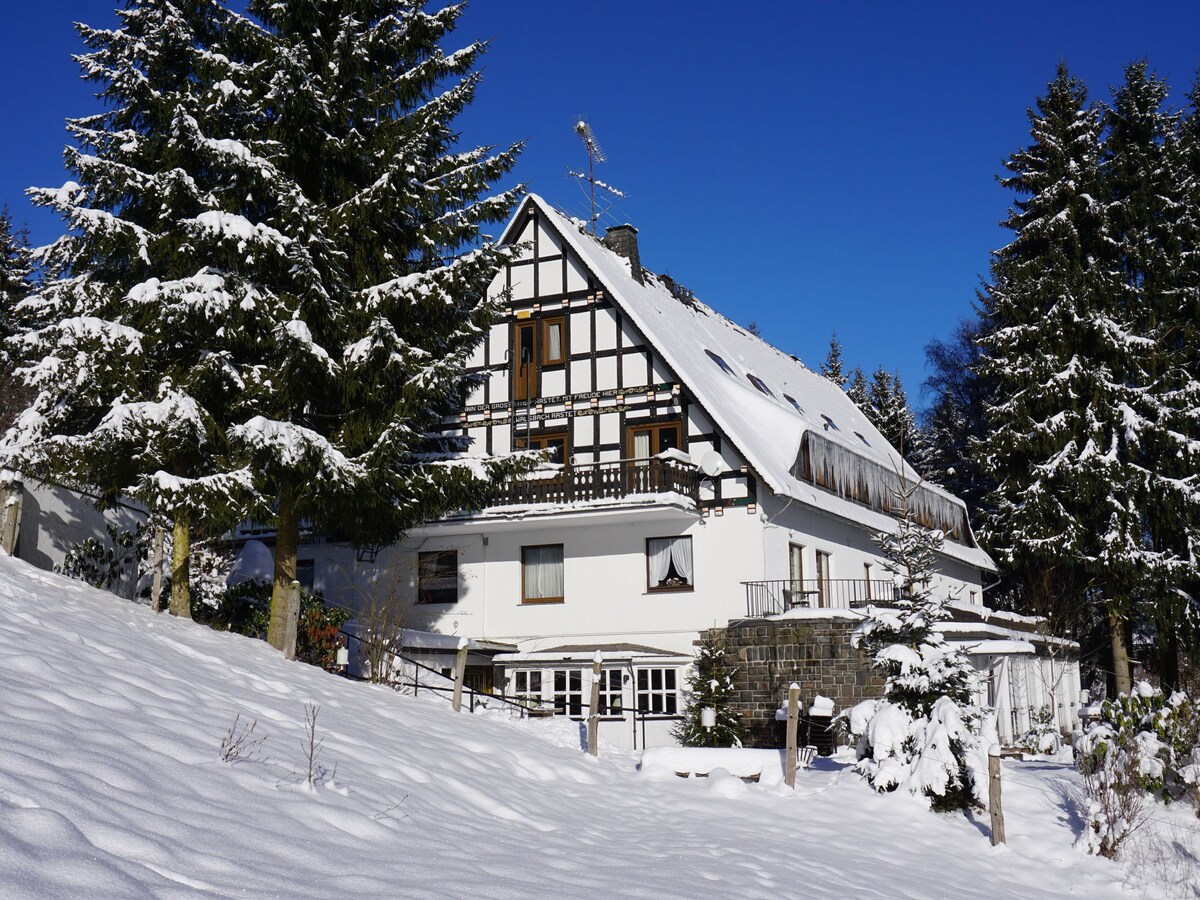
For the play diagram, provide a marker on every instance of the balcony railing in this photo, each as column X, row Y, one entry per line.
column 770, row 598
column 600, row 481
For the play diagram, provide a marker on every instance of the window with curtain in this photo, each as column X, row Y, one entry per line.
column 542, row 574
column 669, row 564
column 552, row 343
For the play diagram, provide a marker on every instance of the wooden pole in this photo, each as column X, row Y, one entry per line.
column 160, row 538
column 292, row 625
column 793, row 725
column 460, row 673
column 594, row 709
column 10, row 516
column 994, row 795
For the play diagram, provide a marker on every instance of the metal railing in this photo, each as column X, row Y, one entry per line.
column 600, row 481
column 770, row 598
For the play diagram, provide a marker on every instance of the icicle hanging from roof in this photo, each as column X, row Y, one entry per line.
column 839, row 469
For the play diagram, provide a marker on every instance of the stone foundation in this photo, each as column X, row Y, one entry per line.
column 769, row 654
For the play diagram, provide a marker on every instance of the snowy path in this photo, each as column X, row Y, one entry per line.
column 111, row 786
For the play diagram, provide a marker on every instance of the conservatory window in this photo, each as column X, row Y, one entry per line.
column 669, row 564
column 437, row 576
column 542, row 574
column 527, row 686
column 725, row 367
column 760, row 384
column 568, row 692
column 611, row 703
column 657, row 692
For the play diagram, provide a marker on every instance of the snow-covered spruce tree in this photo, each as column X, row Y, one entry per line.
column 833, row 367
column 711, row 685
column 1145, row 189
column 890, row 413
column 130, row 333
column 356, row 108
column 1056, row 365
column 16, row 271
column 923, row 735
column 859, row 392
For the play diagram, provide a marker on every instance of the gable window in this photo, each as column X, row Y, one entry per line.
column 657, row 692
column 553, row 343
column 725, row 367
column 542, row 574
column 611, row 703
column 568, row 692
column 437, row 576
column 669, row 564
column 760, row 384
column 556, row 444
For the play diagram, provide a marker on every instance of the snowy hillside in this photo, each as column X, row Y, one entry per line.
column 111, row 785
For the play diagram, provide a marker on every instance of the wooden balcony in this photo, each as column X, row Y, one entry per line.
column 620, row 480
column 770, row 598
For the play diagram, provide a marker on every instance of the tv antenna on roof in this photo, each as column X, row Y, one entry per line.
column 595, row 155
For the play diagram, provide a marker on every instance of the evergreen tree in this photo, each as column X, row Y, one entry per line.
column 889, row 411
column 833, row 368
column 923, row 734
column 16, row 272
column 1145, row 180
column 859, row 392
column 127, row 350
column 1056, row 365
column 347, row 433
column 711, row 685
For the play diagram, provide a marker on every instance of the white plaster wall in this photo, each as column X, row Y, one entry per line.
column 577, row 279
column 606, row 330
column 550, row 278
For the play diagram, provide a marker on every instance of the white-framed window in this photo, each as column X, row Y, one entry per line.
column 542, row 574
column 527, row 685
column 658, row 691
column 611, row 701
column 669, row 564
column 568, row 692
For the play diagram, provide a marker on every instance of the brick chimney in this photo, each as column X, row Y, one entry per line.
column 622, row 240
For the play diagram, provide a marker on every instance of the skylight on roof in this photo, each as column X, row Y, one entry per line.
column 760, row 384
column 720, row 362
column 829, row 423
column 863, row 439
column 792, row 400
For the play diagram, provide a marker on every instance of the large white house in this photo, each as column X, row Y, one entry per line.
column 699, row 475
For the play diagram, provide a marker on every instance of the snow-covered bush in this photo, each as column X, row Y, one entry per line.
column 1144, row 743
column 711, row 685
column 923, row 735
column 1042, row 736
column 110, row 565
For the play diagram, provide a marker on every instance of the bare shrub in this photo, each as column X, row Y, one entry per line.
column 240, row 742
column 1168, row 857
column 312, row 747
column 380, row 630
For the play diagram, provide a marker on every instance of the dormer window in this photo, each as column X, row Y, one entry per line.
column 829, row 423
column 792, row 400
column 720, row 362
column 760, row 384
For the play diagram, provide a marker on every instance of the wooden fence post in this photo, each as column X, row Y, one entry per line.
column 793, row 725
column 994, row 795
column 594, row 709
column 11, row 496
column 292, row 625
column 460, row 672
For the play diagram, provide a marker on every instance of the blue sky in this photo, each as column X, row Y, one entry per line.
column 811, row 167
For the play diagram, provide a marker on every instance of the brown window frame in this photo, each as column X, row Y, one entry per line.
column 561, row 359
column 534, row 601
column 526, row 386
column 649, row 425
column 824, row 578
column 423, row 598
column 670, row 589
column 538, row 441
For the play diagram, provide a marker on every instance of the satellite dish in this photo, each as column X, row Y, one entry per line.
column 712, row 464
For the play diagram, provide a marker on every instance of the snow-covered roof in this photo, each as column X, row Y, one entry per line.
column 766, row 428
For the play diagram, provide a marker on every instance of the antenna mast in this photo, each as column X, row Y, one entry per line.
column 595, row 155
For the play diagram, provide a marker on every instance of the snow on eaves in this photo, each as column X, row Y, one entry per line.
column 766, row 428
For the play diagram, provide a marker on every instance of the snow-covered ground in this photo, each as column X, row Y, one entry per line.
column 112, row 785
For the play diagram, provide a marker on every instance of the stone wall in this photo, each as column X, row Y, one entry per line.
column 815, row 653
